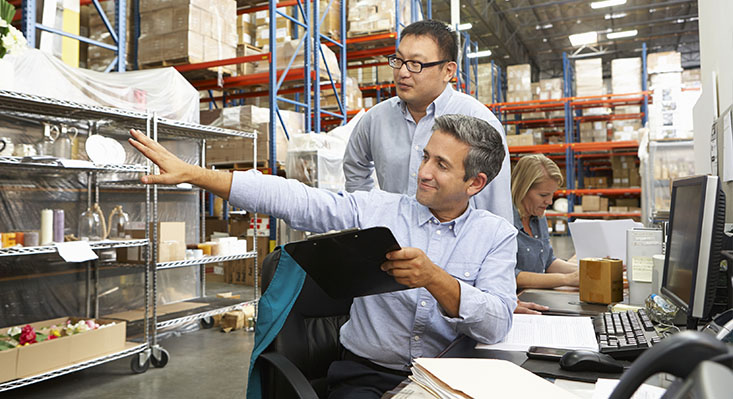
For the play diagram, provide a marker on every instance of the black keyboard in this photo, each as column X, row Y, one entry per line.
column 625, row 335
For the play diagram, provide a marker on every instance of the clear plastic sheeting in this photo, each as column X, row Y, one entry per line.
column 317, row 159
column 38, row 287
column 164, row 90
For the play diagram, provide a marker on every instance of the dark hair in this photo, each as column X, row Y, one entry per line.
column 443, row 35
column 486, row 152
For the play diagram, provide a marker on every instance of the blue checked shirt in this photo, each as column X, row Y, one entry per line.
column 388, row 140
column 478, row 249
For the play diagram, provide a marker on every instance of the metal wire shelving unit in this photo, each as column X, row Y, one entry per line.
column 149, row 351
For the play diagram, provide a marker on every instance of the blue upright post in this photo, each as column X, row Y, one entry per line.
column 121, row 20
column 28, row 21
column 342, row 61
column 315, row 67
column 273, row 106
column 644, row 87
column 430, row 9
column 307, row 76
column 569, row 156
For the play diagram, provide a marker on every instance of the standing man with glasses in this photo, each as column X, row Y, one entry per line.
column 391, row 136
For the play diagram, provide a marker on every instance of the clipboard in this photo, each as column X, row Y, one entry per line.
column 346, row 264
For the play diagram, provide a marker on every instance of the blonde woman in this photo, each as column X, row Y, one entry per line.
column 535, row 178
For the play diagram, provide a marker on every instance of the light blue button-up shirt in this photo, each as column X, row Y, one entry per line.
column 388, row 139
column 394, row 328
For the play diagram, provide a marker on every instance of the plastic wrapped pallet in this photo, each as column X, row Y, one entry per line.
column 519, row 78
column 593, row 132
column 668, row 61
column 246, row 29
column 374, row 16
column 588, row 77
column 550, row 89
column 691, row 79
column 354, row 99
column 284, row 52
column 486, row 88
column 247, row 68
column 187, row 31
column 669, row 115
column 283, row 30
column 248, row 118
column 626, row 75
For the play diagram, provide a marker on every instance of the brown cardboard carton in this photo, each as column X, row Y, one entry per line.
column 519, row 140
column 171, row 241
column 630, row 202
column 8, row 364
column 591, row 203
column 233, row 320
column 601, row 280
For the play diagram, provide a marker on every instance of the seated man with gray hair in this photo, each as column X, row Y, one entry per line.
column 458, row 260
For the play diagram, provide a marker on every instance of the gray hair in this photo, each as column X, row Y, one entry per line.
column 486, row 149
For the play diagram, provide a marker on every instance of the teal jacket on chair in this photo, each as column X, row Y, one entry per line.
column 273, row 309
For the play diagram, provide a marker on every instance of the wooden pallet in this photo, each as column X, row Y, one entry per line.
column 362, row 34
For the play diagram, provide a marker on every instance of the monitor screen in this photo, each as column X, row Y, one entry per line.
column 683, row 246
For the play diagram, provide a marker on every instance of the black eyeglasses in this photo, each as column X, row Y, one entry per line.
column 412, row 65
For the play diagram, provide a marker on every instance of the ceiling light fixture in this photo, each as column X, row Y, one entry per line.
column 465, row 26
column 580, row 39
column 546, row 26
column 615, row 15
column 478, row 54
column 606, row 3
column 625, row 33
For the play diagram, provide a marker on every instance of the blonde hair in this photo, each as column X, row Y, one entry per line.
column 531, row 170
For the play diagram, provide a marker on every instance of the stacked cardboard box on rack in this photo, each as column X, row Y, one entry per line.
column 246, row 29
column 285, row 51
column 98, row 58
column 373, row 16
column 485, row 87
column 593, row 132
column 626, row 78
column 670, row 114
column 248, row 118
column 589, row 82
column 354, row 101
column 187, row 31
column 625, row 171
column 519, row 87
column 283, row 30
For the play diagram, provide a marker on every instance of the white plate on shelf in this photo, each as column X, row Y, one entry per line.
column 104, row 150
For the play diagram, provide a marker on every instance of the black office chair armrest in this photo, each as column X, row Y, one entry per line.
column 297, row 380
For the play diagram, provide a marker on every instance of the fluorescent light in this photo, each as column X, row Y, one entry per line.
column 580, row 39
column 546, row 26
column 625, row 33
column 615, row 15
column 478, row 54
column 465, row 26
column 606, row 3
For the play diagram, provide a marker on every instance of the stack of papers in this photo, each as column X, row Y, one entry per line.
column 565, row 332
column 481, row 378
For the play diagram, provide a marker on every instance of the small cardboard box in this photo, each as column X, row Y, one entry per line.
column 233, row 320
column 594, row 203
column 171, row 241
column 519, row 140
column 8, row 364
column 601, row 280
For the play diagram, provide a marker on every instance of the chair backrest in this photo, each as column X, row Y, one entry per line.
column 310, row 336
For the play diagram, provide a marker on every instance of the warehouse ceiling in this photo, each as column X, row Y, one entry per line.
column 537, row 32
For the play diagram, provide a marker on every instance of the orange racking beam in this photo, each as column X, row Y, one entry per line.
column 552, row 121
column 599, row 191
column 541, row 148
column 603, row 145
column 594, row 214
column 373, row 52
column 377, row 87
column 230, row 61
column 262, row 93
column 264, row 7
column 371, row 64
column 248, row 80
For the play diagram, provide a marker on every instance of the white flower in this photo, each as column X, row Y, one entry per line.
column 14, row 330
column 3, row 23
column 13, row 41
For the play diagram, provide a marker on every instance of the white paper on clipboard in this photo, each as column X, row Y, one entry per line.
column 601, row 238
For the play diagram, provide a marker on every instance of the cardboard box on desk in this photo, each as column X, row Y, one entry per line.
column 601, row 280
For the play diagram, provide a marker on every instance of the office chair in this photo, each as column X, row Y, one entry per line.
column 296, row 362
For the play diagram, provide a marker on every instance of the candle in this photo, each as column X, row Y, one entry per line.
column 30, row 239
column 46, row 226
column 58, row 225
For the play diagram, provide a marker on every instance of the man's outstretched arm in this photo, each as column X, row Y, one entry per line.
column 175, row 171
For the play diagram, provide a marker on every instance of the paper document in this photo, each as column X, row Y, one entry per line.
column 601, row 238
column 566, row 332
column 604, row 388
column 727, row 149
column 481, row 378
column 75, row 251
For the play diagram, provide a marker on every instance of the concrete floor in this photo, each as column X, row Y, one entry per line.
column 203, row 364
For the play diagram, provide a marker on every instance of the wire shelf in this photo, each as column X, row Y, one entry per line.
column 203, row 261
column 50, row 249
column 70, row 369
column 12, row 101
column 201, row 315
column 57, row 165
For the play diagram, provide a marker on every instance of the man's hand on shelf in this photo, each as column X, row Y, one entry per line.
column 172, row 169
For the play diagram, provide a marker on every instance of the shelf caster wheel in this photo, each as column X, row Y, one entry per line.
column 138, row 368
column 207, row 322
column 162, row 361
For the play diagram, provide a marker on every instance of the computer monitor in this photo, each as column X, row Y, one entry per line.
column 692, row 271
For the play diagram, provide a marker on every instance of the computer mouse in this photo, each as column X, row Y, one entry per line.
column 584, row 360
